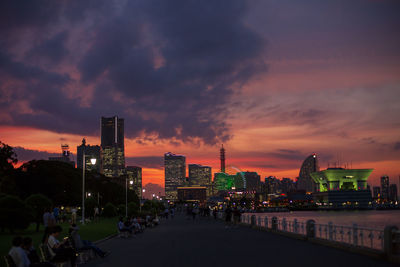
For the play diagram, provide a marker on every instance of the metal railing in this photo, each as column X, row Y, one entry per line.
column 354, row 235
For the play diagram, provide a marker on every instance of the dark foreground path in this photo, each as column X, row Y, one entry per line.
column 181, row 242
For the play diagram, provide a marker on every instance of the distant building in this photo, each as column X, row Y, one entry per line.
column 134, row 174
column 200, row 175
column 222, row 158
column 90, row 153
column 272, row 185
column 192, row 194
column 175, row 174
column 385, row 187
column 393, row 192
column 112, row 146
column 287, row 185
column 253, row 183
column 65, row 156
column 377, row 192
column 305, row 182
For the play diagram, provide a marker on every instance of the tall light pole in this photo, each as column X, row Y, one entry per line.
column 140, row 200
column 93, row 161
column 126, row 196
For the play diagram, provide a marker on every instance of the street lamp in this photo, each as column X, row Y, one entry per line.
column 126, row 195
column 93, row 161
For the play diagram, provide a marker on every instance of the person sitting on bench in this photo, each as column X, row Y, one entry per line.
column 84, row 244
column 59, row 250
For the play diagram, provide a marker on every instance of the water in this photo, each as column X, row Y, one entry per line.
column 365, row 218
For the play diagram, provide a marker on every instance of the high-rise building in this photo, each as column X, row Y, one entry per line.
column 287, row 185
column 90, row 153
column 305, row 182
column 175, row 174
column 222, row 158
column 253, row 183
column 377, row 192
column 385, row 187
column 393, row 192
column 199, row 175
column 134, row 174
column 112, row 146
column 272, row 185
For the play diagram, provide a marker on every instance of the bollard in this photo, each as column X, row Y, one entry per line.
column 355, row 235
column 284, row 224
column 295, row 226
column 266, row 222
column 330, row 229
column 310, row 229
column 274, row 223
column 259, row 221
column 390, row 246
column 253, row 220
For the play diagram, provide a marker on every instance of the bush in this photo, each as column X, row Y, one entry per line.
column 121, row 210
column 109, row 210
column 38, row 203
column 90, row 204
column 14, row 214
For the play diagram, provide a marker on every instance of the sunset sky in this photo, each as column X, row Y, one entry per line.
column 272, row 80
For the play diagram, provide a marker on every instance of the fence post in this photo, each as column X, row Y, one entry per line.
column 390, row 247
column 295, row 225
column 274, row 223
column 284, row 224
column 310, row 229
column 253, row 220
column 266, row 222
column 259, row 221
column 355, row 235
column 330, row 229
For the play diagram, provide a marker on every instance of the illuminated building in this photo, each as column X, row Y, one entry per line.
column 377, row 192
column 252, row 180
column 112, row 146
column 192, row 194
column 393, row 192
column 175, row 174
column 342, row 188
column 90, row 153
column 200, row 176
column 305, row 182
column 385, row 187
column 134, row 174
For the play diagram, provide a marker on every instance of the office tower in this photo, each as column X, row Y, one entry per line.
column 199, row 175
column 377, row 192
column 385, row 187
column 393, row 192
column 112, row 146
column 90, row 153
column 175, row 174
column 287, row 185
column 134, row 174
column 253, row 183
column 305, row 182
column 272, row 185
column 222, row 158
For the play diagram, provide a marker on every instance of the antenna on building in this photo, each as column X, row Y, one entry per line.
column 222, row 158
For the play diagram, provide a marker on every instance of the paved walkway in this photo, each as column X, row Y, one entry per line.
column 182, row 242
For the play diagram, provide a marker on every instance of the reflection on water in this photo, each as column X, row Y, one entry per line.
column 366, row 218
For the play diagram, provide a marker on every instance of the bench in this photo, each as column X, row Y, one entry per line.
column 9, row 261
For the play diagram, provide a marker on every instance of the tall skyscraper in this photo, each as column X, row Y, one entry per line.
column 90, row 152
column 393, row 192
column 175, row 174
column 385, row 187
column 377, row 192
column 112, row 146
column 134, row 174
column 199, row 175
column 222, row 158
column 305, row 182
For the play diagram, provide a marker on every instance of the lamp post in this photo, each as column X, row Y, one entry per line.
column 126, row 196
column 140, row 202
column 93, row 161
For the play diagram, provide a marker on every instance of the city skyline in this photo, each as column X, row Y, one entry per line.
column 278, row 93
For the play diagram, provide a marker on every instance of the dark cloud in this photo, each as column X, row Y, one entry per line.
column 24, row 154
column 169, row 68
column 397, row 146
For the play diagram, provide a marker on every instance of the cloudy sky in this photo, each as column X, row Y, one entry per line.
column 274, row 81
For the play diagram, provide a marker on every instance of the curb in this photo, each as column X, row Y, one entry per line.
column 105, row 239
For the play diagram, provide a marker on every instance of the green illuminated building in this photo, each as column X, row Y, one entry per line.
column 336, row 179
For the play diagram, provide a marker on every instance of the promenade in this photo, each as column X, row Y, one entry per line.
column 205, row 242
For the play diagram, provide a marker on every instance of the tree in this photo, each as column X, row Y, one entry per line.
column 7, row 158
column 38, row 203
column 13, row 214
column 133, row 209
column 109, row 210
column 90, row 204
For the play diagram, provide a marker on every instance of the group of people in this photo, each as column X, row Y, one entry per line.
column 232, row 216
column 135, row 225
column 168, row 212
column 23, row 253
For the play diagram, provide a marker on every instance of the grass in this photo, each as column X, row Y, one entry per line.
column 92, row 231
